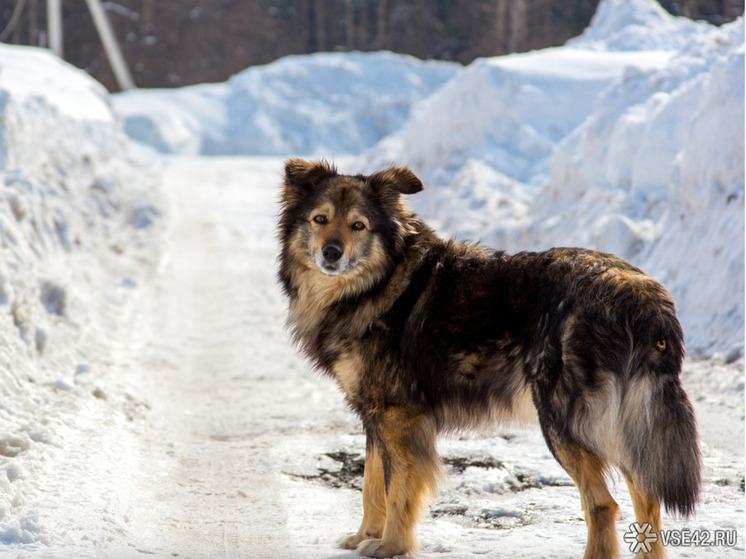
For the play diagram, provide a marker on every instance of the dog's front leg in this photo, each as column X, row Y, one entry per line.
column 374, row 499
column 411, row 468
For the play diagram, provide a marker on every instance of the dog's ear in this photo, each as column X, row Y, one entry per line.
column 302, row 177
column 399, row 179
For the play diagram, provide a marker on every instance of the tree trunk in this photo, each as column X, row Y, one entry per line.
column 381, row 41
column 518, row 30
column 320, row 17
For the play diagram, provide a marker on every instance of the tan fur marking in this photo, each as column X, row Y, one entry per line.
column 336, row 229
column 523, row 411
column 347, row 371
column 356, row 216
column 587, row 471
column 327, row 210
column 414, row 471
column 647, row 509
column 661, row 345
column 639, row 283
column 374, row 502
column 626, row 277
column 374, row 495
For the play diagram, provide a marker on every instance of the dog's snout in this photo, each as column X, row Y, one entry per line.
column 332, row 252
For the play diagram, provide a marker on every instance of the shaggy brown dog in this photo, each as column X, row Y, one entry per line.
column 425, row 335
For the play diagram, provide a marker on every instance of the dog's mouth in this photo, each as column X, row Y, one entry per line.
column 331, row 269
column 335, row 269
column 340, row 267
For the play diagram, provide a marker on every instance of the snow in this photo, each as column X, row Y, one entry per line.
column 626, row 25
column 152, row 402
column 75, row 94
column 322, row 104
column 72, row 251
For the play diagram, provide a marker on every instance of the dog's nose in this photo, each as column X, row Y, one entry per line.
column 332, row 252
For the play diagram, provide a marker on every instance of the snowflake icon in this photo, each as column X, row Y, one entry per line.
column 640, row 538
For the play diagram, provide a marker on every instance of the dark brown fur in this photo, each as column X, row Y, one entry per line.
column 425, row 336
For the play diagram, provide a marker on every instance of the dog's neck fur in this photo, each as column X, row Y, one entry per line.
column 314, row 292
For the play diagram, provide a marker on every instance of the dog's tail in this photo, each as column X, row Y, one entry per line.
column 658, row 429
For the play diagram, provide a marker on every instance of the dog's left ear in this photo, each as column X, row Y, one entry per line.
column 400, row 179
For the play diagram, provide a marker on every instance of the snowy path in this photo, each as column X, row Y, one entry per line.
column 219, row 379
column 229, row 444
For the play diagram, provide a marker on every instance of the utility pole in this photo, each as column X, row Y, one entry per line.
column 105, row 32
column 111, row 47
column 54, row 26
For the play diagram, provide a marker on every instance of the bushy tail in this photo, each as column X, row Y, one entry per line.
column 659, row 429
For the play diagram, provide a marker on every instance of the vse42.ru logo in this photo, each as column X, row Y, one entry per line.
column 642, row 537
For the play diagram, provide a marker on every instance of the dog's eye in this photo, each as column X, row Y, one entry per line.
column 320, row 219
column 358, row 226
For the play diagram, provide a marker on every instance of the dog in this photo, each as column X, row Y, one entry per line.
column 426, row 336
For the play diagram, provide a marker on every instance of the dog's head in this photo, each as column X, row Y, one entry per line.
column 344, row 225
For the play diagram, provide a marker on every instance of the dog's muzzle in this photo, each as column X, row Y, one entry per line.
column 331, row 259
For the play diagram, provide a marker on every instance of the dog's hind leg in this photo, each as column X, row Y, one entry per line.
column 374, row 500
column 587, row 471
column 647, row 511
column 411, row 471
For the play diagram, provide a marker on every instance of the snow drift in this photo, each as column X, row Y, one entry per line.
column 72, row 223
column 321, row 104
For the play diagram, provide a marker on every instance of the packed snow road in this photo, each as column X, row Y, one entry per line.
column 231, row 409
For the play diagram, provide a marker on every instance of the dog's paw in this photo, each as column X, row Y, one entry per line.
column 376, row 548
column 351, row 540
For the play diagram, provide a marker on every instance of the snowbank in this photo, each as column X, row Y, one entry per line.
column 508, row 112
column 629, row 140
column 656, row 174
column 74, row 219
column 322, row 104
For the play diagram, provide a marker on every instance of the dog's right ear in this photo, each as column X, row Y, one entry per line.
column 302, row 177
